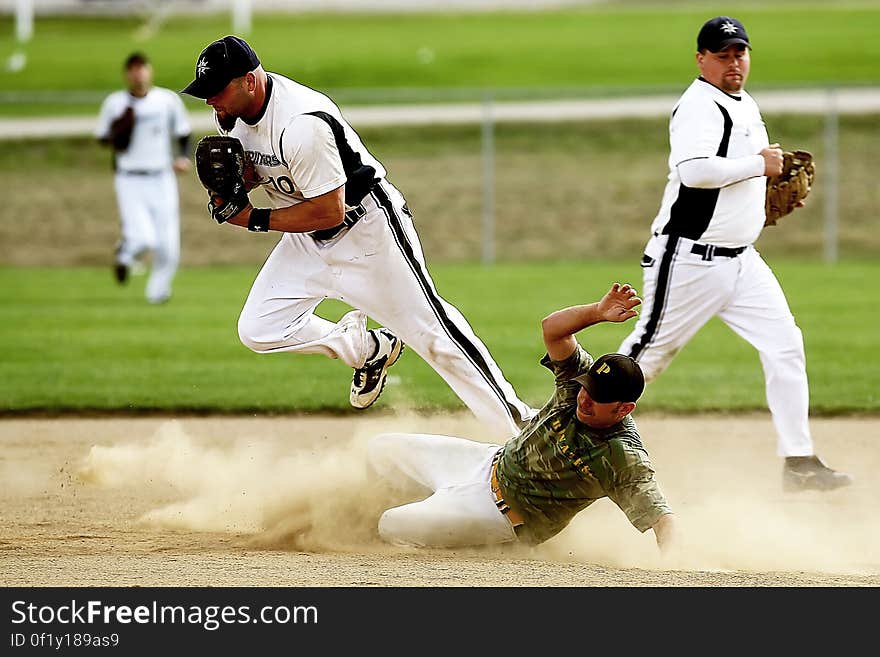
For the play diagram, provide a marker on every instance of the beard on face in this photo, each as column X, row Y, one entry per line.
column 227, row 122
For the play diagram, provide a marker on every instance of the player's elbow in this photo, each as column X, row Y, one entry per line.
column 330, row 217
column 696, row 180
column 698, row 174
column 328, row 210
column 553, row 327
column 547, row 325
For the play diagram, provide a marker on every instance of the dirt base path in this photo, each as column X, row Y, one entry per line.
column 285, row 502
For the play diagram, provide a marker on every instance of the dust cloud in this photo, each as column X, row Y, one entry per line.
column 313, row 493
column 279, row 493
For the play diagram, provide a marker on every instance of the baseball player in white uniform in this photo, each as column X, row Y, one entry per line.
column 145, row 181
column 347, row 234
column 700, row 260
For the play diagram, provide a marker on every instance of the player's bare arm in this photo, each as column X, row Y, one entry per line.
column 324, row 211
column 618, row 305
column 665, row 533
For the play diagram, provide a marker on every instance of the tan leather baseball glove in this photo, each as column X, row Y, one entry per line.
column 788, row 190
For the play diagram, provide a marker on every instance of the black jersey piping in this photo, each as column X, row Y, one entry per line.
column 661, row 291
column 694, row 207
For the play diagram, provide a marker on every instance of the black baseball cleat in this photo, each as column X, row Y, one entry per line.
column 369, row 380
column 809, row 473
column 121, row 273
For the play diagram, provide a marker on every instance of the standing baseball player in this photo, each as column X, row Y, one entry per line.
column 347, row 234
column 582, row 446
column 140, row 124
column 700, row 260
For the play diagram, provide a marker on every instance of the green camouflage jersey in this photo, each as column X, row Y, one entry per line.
column 557, row 465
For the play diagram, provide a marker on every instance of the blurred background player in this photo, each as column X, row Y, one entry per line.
column 144, row 125
column 700, row 261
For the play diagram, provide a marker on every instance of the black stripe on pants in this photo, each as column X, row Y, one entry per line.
column 660, row 294
column 452, row 330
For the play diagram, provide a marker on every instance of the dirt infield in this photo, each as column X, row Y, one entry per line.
column 285, row 502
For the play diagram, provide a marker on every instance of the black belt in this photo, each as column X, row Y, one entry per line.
column 140, row 172
column 351, row 218
column 709, row 252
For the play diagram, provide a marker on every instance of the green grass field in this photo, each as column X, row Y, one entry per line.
column 383, row 58
column 568, row 191
column 73, row 340
column 573, row 205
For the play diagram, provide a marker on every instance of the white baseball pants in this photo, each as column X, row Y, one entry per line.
column 150, row 219
column 683, row 290
column 455, row 475
column 377, row 267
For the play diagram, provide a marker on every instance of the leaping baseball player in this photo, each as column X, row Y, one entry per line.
column 347, row 234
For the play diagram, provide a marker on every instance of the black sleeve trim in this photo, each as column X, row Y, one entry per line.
column 360, row 178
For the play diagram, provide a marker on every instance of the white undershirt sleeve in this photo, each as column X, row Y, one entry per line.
column 714, row 172
column 695, row 133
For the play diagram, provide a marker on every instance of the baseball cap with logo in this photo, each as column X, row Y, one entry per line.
column 720, row 33
column 613, row 378
column 219, row 64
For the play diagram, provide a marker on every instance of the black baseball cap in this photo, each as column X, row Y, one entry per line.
column 613, row 378
column 219, row 64
column 720, row 33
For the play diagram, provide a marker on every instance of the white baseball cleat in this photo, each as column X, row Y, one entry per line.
column 369, row 380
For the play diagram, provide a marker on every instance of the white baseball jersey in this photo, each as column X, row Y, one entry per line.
column 711, row 130
column 302, row 147
column 700, row 263
column 159, row 116
column 145, row 183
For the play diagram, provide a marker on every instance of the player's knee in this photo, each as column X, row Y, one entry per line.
column 396, row 527
column 652, row 368
column 790, row 346
column 447, row 357
column 790, row 357
column 252, row 334
column 793, row 351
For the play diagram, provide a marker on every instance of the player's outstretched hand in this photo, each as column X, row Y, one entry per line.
column 618, row 304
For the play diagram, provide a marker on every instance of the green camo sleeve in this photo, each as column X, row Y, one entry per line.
column 636, row 491
column 565, row 370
